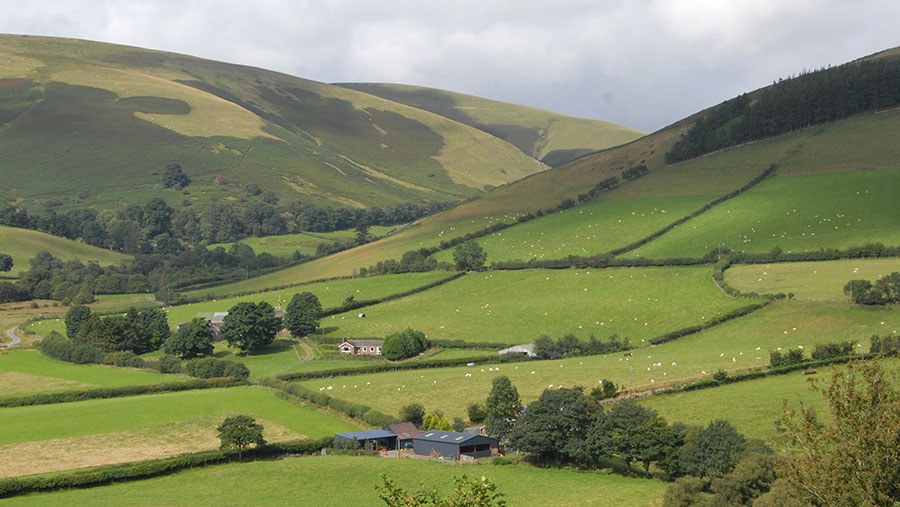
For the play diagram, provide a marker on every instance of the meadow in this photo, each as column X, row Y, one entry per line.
column 23, row 244
column 795, row 213
column 284, row 245
column 817, row 281
column 28, row 371
column 61, row 436
column 737, row 345
column 265, row 483
column 518, row 306
column 331, row 293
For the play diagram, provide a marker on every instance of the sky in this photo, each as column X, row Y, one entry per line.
column 640, row 63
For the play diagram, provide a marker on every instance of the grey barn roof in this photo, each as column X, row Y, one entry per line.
column 367, row 435
column 446, row 436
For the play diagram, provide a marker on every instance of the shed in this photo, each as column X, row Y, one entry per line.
column 369, row 439
column 450, row 444
column 405, row 432
column 526, row 348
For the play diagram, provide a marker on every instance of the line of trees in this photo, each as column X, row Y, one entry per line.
column 570, row 346
column 810, row 98
column 885, row 290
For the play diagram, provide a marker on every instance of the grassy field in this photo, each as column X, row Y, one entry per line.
column 752, row 406
column 330, row 293
column 585, row 230
column 268, row 483
column 519, row 306
column 795, row 213
column 125, row 429
column 23, row 244
column 285, row 245
column 28, row 371
column 818, row 281
column 105, row 303
column 736, row 345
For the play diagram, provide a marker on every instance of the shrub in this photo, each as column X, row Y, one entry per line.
column 414, row 413
column 210, row 367
column 125, row 358
column 720, row 375
column 404, row 344
column 477, row 412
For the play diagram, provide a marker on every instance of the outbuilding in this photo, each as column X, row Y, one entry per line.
column 369, row 439
column 406, row 432
column 450, row 444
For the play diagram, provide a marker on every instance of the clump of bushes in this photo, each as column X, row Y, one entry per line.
column 210, row 367
column 59, row 347
column 570, row 346
column 404, row 344
column 125, row 358
column 889, row 345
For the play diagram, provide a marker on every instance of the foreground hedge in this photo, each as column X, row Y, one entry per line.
column 97, row 476
column 115, row 392
column 363, row 412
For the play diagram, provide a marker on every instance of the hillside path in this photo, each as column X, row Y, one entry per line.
column 12, row 334
column 306, row 350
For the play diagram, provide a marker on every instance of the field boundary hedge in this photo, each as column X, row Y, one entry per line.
column 298, row 392
column 733, row 314
column 122, row 472
column 117, row 392
column 369, row 302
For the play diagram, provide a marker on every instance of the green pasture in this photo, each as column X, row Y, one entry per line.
column 285, row 245
column 313, row 481
column 105, row 303
column 62, row 420
column 585, row 230
column 331, row 293
column 823, row 281
column 751, row 406
column 37, row 373
column 795, row 213
column 736, row 345
column 519, row 306
column 23, row 244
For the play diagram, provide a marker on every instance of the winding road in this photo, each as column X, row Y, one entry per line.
column 12, row 335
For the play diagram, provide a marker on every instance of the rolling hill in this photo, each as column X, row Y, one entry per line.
column 552, row 138
column 89, row 122
column 23, row 244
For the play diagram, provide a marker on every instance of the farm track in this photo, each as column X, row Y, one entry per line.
column 12, row 335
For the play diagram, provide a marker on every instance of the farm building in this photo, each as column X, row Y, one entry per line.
column 450, row 444
column 357, row 347
column 405, row 432
column 527, row 349
column 369, row 439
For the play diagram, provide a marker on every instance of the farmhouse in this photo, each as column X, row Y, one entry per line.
column 450, row 444
column 357, row 347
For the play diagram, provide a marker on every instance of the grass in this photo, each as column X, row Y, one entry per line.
column 331, row 293
column 731, row 346
column 795, row 213
column 268, row 483
column 285, row 245
column 105, row 303
column 49, row 374
column 752, row 406
column 24, row 244
column 519, row 306
column 92, row 417
column 817, row 281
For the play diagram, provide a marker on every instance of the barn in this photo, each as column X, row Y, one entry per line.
column 405, row 432
column 370, row 439
column 450, row 444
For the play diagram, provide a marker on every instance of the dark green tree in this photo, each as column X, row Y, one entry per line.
column 6, row 262
column 469, row 256
column 605, row 390
column 239, row 432
column 713, row 451
column 174, row 177
column 502, row 407
column 249, row 326
column 192, row 340
column 619, row 433
column 554, row 427
column 414, row 413
column 301, row 317
column 362, row 233
column 407, row 343
column 476, row 411
column 75, row 317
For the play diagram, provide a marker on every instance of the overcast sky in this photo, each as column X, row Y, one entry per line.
column 644, row 64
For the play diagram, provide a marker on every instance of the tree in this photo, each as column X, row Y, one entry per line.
column 476, row 411
column 437, row 421
column 623, row 432
column 605, row 390
column 192, row 340
column 174, row 177
column 713, row 451
column 249, row 326
column 75, row 317
column 404, row 344
column 854, row 460
column 414, row 413
column 502, row 406
column 239, row 432
column 752, row 477
column 6, row 262
column 553, row 428
column 469, row 256
column 301, row 317
column 362, row 233
column 466, row 493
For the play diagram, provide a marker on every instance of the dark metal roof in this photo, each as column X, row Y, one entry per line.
column 446, row 436
column 367, row 435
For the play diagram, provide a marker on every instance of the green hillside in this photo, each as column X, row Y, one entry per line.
column 89, row 122
column 23, row 244
column 550, row 137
